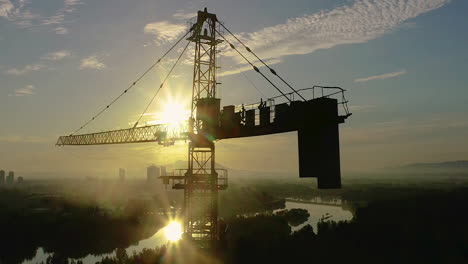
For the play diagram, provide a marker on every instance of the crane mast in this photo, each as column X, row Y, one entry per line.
column 201, row 179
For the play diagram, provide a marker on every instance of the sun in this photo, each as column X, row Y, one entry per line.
column 173, row 112
column 173, row 231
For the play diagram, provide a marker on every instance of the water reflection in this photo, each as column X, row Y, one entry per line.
column 161, row 237
column 316, row 212
column 173, row 231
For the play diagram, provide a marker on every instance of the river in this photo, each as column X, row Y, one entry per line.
column 316, row 212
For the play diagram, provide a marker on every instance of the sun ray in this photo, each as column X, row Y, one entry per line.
column 173, row 231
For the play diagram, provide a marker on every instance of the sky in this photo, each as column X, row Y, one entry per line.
column 402, row 62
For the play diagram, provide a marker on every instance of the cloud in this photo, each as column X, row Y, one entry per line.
column 183, row 15
column 361, row 108
column 381, row 76
column 53, row 20
column 164, row 31
column 57, row 55
column 236, row 70
column 61, row 30
column 25, row 91
column 92, row 62
column 52, row 56
column 359, row 22
column 59, row 17
column 26, row 69
column 6, row 8
column 20, row 14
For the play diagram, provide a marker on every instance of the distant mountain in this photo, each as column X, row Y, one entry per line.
column 458, row 164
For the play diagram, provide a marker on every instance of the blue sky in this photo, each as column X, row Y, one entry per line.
column 403, row 63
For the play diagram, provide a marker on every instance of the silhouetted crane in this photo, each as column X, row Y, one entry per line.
column 315, row 119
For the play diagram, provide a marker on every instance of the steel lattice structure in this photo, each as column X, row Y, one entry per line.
column 201, row 179
column 163, row 134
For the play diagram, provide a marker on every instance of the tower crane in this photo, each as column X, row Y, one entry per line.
column 315, row 119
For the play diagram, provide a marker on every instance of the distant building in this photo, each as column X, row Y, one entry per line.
column 10, row 179
column 20, row 180
column 122, row 174
column 163, row 171
column 152, row 173
column 2, row 176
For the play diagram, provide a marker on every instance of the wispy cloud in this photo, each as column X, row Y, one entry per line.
column 60, row 30
column 6, row 8
column 45, row 60
column 243, row 68
column 183, row 15
column 56, row 55
column 26, row 69
column 25, row 91
column 361, row 108
column 69, row 6
column 359, row 22
column 381, row 76
column 92, row 62
column 164, row 31
column 19, row 12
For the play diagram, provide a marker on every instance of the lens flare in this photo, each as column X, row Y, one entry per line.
column 173, row 231
column 174, row 112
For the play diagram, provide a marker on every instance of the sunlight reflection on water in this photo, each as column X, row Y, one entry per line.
column 161, row 238
column 317, row 211
column 156, row 240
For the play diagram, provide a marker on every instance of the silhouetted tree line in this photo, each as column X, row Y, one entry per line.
column 405, row 225
column 429, row 228
column 67, row 229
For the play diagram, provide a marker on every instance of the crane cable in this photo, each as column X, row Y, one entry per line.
column 250, row 81
column 251, row 64
column 271, row 70
column 162, row 84
column 133, row 83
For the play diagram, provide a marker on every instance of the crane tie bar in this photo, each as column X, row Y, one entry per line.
column 162, row 84
column 253, row 66
column 258, row 58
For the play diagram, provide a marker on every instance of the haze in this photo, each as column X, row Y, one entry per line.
column 402, row 62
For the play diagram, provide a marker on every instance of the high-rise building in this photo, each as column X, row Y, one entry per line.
column 10, row 179
column 163, row 171
column 152, row 173
column 2, row 176
column 122, row 174
column 20, row 180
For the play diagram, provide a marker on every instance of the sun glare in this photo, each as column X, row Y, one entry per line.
column 173, row 231
column 174, row 112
